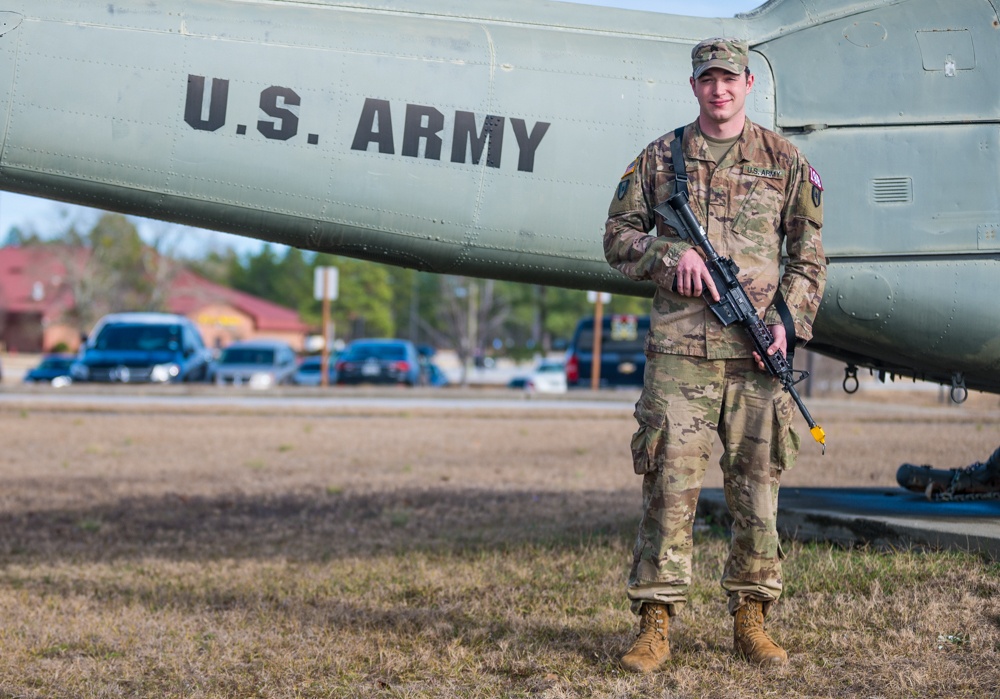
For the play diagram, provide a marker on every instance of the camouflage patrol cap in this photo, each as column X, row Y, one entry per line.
column 728, row 54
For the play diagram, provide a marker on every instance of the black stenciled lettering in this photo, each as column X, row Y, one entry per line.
column 375, row 110
column 465, row 134
column 273, row 102
column 218, row 103
column 528, row 143
column 415, row 130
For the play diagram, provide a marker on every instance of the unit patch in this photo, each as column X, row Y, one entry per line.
column 815, row 179
column 817, row 183
column 763, row 172
column 623, row 188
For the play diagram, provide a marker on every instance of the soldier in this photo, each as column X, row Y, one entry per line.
column 752, row 191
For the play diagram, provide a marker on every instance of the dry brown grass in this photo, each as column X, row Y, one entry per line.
column 439, row 553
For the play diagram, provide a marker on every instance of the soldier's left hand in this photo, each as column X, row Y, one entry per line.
column 780, row 344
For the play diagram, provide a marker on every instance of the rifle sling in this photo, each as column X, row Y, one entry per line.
column 680, row 171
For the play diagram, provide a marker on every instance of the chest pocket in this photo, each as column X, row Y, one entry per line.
column 758, row 218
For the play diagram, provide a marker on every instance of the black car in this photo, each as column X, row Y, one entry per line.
column 142, row 348
column 623, row 359
column 53, row 367
column 379, row 361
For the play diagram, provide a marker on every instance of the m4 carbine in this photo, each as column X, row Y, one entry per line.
column 734, row 305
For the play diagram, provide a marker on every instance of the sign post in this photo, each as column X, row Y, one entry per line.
column 325, row 288
column 598, row 299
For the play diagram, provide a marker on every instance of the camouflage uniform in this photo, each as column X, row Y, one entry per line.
column 700, row 376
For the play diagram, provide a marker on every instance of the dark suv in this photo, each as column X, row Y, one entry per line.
column 622, row 357
column 142, row 348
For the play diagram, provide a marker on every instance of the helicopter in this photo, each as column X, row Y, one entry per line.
column 486, row 139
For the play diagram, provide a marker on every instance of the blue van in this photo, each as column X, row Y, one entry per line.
column 142, row 348
column 623, row 360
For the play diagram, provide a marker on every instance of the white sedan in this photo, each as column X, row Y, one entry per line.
column 549, row 376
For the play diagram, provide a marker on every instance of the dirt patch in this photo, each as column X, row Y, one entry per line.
column 75, row 456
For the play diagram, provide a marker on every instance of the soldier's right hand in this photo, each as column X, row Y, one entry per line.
column 692, row 278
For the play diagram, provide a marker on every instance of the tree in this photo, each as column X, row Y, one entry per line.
column 118, row 272
column 17, row 237
column 378, row 300
column 468, row 311
column 364, row 302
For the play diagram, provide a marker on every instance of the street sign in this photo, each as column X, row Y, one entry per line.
column 331, row 283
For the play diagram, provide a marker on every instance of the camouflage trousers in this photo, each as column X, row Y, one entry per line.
column 685, row 402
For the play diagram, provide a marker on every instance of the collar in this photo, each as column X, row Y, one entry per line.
column 696, row 147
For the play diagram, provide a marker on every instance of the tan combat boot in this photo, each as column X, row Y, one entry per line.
column 650, row 650
column 749, row 638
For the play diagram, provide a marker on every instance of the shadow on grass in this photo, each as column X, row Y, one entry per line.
column 316, row 528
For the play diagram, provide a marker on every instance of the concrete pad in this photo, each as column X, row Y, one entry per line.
column 881, row 517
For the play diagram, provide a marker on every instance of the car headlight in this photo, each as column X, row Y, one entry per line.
column 161, row 373
column 79, row 371
column 261, row 380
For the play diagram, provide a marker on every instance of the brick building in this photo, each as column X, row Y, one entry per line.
column 35, row 303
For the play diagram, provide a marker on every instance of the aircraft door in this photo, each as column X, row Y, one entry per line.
column 9, row 22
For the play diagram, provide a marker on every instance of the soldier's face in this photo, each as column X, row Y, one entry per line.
column 722, row 95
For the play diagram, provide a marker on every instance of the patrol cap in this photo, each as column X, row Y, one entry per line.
column 728, row 54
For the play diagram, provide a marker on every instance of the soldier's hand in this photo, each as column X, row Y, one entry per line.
column 780, row 344
column 692, row 277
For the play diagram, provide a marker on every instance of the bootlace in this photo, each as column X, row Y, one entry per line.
column 753, row 626
column 652, row 622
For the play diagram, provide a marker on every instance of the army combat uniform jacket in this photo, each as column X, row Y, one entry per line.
column 762, row 195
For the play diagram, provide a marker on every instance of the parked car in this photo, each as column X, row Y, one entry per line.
column 380, row 362
column 434, row 376
column 142, row 348
column 623, row 359
column 309, row 371
column 548, row 376
column 254, row 363
column 54, row 369
column 430, row 373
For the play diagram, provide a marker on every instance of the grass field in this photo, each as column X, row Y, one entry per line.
column 438, row 553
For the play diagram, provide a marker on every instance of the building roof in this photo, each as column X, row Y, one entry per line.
column 32, row 281
column 189, row 293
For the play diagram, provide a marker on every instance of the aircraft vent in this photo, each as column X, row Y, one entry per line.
column 892, row 190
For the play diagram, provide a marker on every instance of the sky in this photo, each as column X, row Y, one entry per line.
column 50, row 217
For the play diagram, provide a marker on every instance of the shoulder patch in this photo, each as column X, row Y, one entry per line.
column 814, row 178
column 631, row 168
column 623, row 188
column 763, row 172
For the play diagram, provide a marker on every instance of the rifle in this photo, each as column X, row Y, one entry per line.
column 734, row 305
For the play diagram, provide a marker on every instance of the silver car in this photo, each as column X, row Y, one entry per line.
column 254, row 363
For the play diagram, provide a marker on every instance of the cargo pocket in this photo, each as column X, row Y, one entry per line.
column 784, row 439
column 649, row 443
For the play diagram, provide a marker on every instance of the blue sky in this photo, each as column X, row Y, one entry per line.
column 44, row 216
